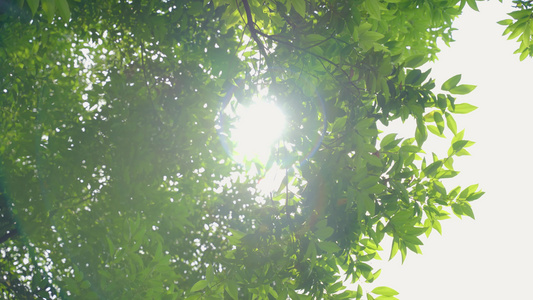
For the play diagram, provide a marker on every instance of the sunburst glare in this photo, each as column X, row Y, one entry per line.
column 257, row 128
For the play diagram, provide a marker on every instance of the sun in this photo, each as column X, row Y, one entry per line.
column 257, row 128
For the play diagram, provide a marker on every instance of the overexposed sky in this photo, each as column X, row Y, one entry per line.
column 490, row 257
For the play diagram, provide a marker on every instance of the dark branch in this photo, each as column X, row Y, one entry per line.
column 322, row 58
column 254, row 33
column 251, row 26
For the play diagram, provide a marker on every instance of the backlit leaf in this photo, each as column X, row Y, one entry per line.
column 462, row 89
column 450, row 122
column 464, row 108
column 451, row 83
column 385, row 291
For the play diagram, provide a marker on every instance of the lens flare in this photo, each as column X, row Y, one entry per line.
column 258, row 127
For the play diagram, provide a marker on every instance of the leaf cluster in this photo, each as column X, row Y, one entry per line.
column 116, row 177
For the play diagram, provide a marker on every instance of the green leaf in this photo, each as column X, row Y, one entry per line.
column 63, row 9
column 462, row 89
column 372, row 6
column 463, row 108
column 34, row 5
column 85, row 284
column 385, row 291
column 370, row 36
column 472, row 4
column 442, row 103
column 413, row 239
column 412, row 76
column 389, row 141
column 446, row 174
column 329, row 247
column 299, row 7
column 49, row 8
column 324, row 233
column 198, row 286
column 519, row 14
column 209, row 274
column 421, row 133
column 432, row 168
column 386, row 298
column 394, row 249
column 458, row 146
column 339, row 123
column 506, row 22
column 416, row 61
column 451, row 83
column 433, row 129
column 469, row 190
column 439, row 121
column 231, row 289
column 410, row 149
column 437, row 226
column 457, row 210
column 450, row 122
column 462, row 144
column 467, row 210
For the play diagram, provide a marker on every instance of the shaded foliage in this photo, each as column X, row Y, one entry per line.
column 115, row 180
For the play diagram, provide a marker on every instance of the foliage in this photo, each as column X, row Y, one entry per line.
column 521, row 27
column 114, row 179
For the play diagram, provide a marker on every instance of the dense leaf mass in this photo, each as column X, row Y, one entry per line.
column 116, row 181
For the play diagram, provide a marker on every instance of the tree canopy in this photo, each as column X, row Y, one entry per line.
column 117, row 177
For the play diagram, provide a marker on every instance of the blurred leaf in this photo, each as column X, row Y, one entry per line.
column 329, row 247
column 198, row 286
column 34, row 5
column 63, row 9
column 299, row 7
column 49, row 8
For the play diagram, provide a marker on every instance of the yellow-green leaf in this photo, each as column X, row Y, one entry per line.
column 451, row 83
column 385, row 291
column 464, row 108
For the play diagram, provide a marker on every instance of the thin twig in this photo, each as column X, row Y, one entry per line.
column 308, row 52
column 253, row 32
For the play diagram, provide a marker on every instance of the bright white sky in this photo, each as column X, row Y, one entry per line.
column 490, row 258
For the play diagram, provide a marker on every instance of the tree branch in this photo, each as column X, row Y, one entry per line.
column 311, row 53
column 253, row 32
